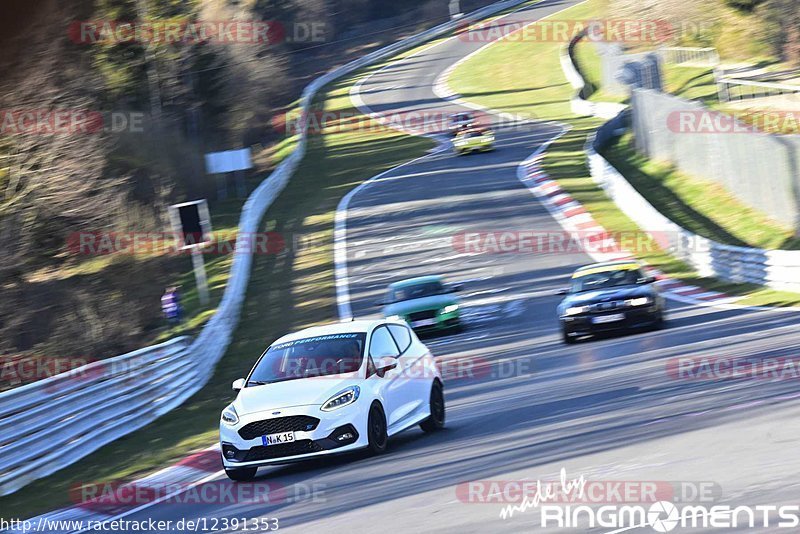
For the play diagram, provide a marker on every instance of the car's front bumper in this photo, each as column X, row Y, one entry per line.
column 323, row 440
column 482, row 147
column 442, row 321
column 584, row 325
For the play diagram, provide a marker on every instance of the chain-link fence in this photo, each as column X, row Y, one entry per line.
column 612, row 61
column 762, row 170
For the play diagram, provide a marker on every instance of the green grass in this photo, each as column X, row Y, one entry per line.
column 286, row 292
column 691, row 83
column 700, row 206
column 500, row 78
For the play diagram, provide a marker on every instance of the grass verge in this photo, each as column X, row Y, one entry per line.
column 703, row 207
column 500, row 77
column 288, row 291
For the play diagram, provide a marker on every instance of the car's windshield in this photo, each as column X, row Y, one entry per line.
column 417, row 291
column 605, row 279
column 310, row 357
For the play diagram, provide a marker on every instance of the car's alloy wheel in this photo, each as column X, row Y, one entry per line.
column 436, row 420
column 376, row 430
column 244, row 474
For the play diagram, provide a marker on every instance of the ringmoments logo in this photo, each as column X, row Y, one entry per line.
column 621, row 506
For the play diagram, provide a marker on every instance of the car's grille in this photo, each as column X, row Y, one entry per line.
column 304, row 446
column 303, row 423
column 608, row 306
column 418, row 316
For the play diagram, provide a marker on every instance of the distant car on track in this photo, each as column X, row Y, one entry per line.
column 473, row 140
column 426, row 303
column 459, row 121
column 609, row 296
column 330, row 389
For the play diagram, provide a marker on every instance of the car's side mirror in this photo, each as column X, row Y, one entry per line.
column 238, row 385
column 562, row 291
column 385, row 364
column 647, row 280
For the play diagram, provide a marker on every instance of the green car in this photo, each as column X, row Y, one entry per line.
column 425, row 303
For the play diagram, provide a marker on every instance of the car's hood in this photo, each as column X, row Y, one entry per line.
column 434, row 302
column 612, row 293
column 299, row 392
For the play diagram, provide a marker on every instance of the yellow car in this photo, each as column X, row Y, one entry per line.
column 473, row 140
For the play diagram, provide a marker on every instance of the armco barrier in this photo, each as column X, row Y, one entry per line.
column 778, row 269
column 578, row 102
column 48, row 425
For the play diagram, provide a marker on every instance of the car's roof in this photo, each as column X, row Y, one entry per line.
column 414, row 281
column 607, row 266
column 359, row 326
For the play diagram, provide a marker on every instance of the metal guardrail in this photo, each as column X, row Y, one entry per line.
column 578, row 104
column 48, row 425
column 778, row 269
column 689, row 55
column 736, row 89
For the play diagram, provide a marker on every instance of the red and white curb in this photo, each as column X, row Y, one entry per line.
column 574, row 217
column 169, row 483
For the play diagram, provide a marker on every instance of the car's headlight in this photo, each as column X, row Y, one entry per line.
column 394, row 318
column 341, row 399
column 575, row 310
column 450, row 309
column 229, row 416
column 641, row 301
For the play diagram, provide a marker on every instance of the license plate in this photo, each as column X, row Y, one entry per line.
column 423, row 322
column 608, row 318
column 277, row 439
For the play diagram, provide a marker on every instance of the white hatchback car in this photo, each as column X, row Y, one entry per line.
column 331, row 389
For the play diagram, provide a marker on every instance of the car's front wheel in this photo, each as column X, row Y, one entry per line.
column 244, row 474
column 568, row 339
column 377, row 435
column 436, row 420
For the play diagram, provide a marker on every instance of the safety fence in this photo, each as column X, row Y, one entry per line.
column 689, row 56
column 50, row 424
column 779, row 269
column 760, row 169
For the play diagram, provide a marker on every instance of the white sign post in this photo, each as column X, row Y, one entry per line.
column 221, row 163
column 455, row 9
column 191, row 222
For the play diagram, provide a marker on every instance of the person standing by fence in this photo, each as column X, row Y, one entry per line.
column 171, row 305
